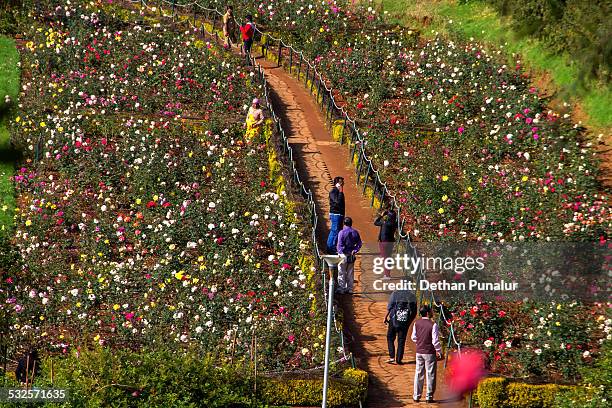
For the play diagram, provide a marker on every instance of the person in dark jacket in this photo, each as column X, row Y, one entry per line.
column 336, row 214
column 401, row 311
column 387, row 221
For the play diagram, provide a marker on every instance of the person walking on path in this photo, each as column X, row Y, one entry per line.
column 336, row 213
column 387, row 221
column 425, row 335
column 229, row 24
column 248, row 32
column 401, row 311
column 254, row 120
column 349, row 243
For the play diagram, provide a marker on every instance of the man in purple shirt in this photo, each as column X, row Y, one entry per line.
column 425, row 335
column 349, row 243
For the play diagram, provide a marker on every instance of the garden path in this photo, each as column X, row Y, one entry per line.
column 320, row 159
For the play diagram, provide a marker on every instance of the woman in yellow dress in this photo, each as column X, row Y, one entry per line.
column 254, row 121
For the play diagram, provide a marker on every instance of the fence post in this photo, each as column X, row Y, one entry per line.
column 280, row 50
column 365, row 180
column 300, row 66
column 263, row 46
column 290, row 59
column 450, row 337
column 343, row 130
column 331, row 110
column 312, row 80
column 322, row 102
column 173, row 7
column 374, row 191
column 194, row 14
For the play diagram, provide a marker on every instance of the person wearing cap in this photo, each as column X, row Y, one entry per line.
column 254, row 120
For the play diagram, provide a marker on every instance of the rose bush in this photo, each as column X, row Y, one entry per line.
column 472, row 152
column 463, row 140
column 148, row 220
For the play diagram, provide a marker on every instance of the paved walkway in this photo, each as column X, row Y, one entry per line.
column 320, row 159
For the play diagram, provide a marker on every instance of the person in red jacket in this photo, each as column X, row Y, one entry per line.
column 248, row 32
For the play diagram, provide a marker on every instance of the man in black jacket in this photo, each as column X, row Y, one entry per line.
column 401, row 311
column 336, row 213
column 387, row 222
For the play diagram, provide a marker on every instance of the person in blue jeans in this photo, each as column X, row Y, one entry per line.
column 336, row 214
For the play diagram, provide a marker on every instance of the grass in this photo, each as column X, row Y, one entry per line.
column 479, row 21
column 9, row 85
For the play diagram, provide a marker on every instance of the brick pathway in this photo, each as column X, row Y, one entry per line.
column 320, row 159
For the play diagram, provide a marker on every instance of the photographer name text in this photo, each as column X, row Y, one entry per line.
column 423, row 284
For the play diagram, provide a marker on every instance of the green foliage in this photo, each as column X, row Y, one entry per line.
column 501, row 393
column 596, row 386
column 532, row 396
column 9, row 91
column 479, row 19
column 555, row 339
column 580, row 28
column 345, row 391
column 491, row 392
column 122, row 378
column 9, row 17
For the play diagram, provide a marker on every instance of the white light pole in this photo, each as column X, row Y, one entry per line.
column 331, row 261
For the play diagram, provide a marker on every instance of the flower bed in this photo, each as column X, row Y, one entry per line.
column 465, row 142
column 148, row 221
column 472, row 152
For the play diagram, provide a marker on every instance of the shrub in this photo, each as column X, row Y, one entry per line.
column 501, row 393
column 345, row 391
column 522, row 395
column 105, row 377
column 491, row 392
column 596, row 386
column 120, row 378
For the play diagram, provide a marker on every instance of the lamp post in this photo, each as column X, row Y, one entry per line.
column 331, row 261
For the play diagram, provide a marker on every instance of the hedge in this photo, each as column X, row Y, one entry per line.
column 105, row 377
column 503, row 393
column 345, row 391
